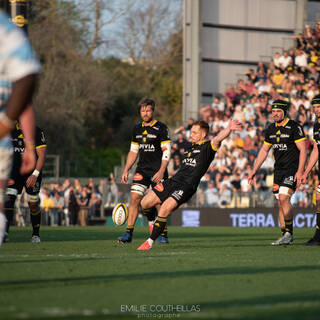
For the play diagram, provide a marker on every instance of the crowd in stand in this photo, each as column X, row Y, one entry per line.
column 71, row 204
column 291, row 75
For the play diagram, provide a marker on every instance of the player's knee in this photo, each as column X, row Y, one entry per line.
column 10, row 199
column 33, row 201
column 284, row 195
column 138, row 190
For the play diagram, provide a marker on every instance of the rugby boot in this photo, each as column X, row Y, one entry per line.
column 35, row 239
column 313, row 242
column 145, row 246
column 126, row 238
column 162, row 239
column 286, row 239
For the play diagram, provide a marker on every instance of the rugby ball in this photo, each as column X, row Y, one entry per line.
column 120, row 214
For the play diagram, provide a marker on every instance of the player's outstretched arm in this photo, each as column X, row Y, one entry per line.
column 260, row 160
column 234, row 125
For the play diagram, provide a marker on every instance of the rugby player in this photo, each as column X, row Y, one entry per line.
column 178, row 189
column 287, row 139
column 151, row 142
column 31, row 181
column 314, row 157
column 18, row 70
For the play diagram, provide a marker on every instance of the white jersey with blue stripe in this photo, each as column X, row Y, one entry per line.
column 17, row 60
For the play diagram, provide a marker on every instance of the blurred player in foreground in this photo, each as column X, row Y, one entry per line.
column 18, row 70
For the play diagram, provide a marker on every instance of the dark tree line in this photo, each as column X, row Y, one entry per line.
column 87, row 104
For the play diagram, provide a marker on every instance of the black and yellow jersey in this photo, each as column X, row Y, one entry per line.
column 195, row 163
column 18, row 144
column 316, row 138
column 150, row 140
column 283, row 140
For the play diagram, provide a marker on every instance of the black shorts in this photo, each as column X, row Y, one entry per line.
column 141, row 178
column 19, row 181
column 177, row 191
column 284, row 178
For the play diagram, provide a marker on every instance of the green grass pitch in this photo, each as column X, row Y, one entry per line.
column 204, row 273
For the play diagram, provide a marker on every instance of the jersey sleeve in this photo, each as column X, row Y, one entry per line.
column 267, row 139
column 298, row 134
column 134, row 135
column 315, row 133
column 40, row 139
column 164, row 134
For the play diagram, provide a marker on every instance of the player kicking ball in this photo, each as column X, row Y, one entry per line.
column 173, row 192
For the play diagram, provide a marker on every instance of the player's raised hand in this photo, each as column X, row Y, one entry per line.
column 251, row 177
column 235, row 125
column 124, row 177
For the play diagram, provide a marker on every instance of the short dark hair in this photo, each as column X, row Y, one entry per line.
column 147, row 102
column 202, row 124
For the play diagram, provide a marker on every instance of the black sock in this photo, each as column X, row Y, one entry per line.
column 158, row 227
column 283, row 230
column 150, row 213
column 130, row 229
column 9, row 215
column 35, row 220
column 165, row 232
column 289, row 225
column 9, row 209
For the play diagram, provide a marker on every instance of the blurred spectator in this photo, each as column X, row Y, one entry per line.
column 113, row 192
column 73, row 207
column 83, row 201
column 57, row 211
column 212, row 197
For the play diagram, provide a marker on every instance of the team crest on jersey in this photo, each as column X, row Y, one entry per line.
column 137, row 177
column 189, row 154
column 159, row 187
column 275, row 187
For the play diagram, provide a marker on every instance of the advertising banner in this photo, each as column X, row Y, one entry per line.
column 240, row 218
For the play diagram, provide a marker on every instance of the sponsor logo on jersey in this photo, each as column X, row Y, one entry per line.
column 275, row 187
column 147, row 147
column 284, row 136
column 137, row 177
column 159, row 187
column 280, row 146
column 287, row 127
column 151, row 136
column 20, row 150
column 190, row 162
column 196, row 151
